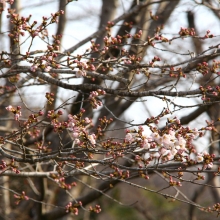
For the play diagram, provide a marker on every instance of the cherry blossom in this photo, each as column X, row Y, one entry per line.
column 91, row 138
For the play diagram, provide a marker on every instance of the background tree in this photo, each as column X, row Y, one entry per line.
column 136, row 111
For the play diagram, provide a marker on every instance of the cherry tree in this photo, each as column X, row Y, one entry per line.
column 139, row 104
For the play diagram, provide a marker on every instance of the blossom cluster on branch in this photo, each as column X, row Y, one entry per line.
column 88, row 137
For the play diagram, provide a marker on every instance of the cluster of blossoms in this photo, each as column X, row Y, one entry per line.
column 60, row 176
column 43, row 147
column 115, row 42
column 214, row 208
column 5, row 166
column 16, row 111
column 158, row 35
column 176, row 72
column 214, row 91
column 92, row 98
column 73, row 208
column 96, row 209
column 5, row 89
column 82, row 66
column 110, row 24
column 20, row 197
column 132, row 59
column 94, row 47
column 174, row 182
column 62, row 184
column 49, row 96
column 79, row 128
column 208, row 35
column 174, row 144
column 34, row 132
column 45, row 62
column 22, row 25
column 33, row 118
column 13, row 166
column 187, row 32
column 75, row 125
column 54, row 116
column 206, row 158
column 203, row 68
column 154, row 60
column 118, row 173
column 215, row 68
